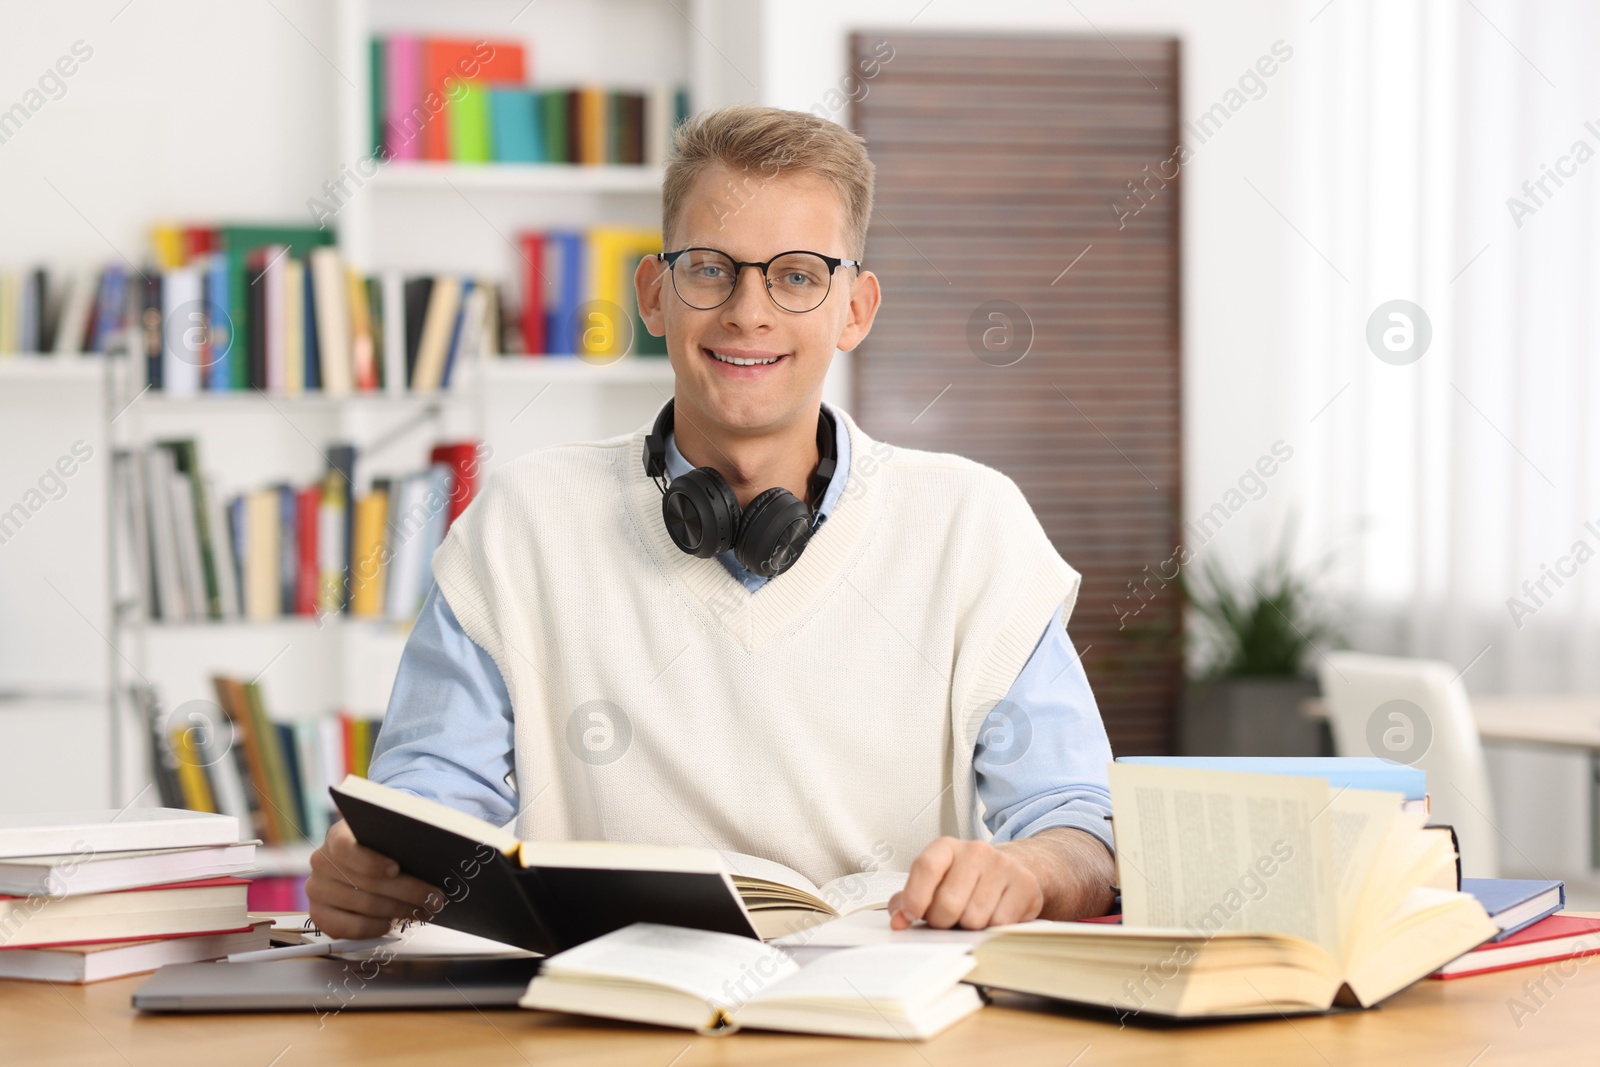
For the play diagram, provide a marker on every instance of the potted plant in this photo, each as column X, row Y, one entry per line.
column 1259, row 636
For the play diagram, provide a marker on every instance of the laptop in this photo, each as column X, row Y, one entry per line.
column 327, row 985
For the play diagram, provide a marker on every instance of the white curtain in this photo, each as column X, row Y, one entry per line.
column 1445, row 484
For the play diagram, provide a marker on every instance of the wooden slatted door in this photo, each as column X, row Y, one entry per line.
column 1026, row 237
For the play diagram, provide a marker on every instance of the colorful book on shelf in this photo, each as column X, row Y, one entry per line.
column 516, row 125
column 238, row 243
column 401, row 103
column 469, row 124
column 447, row 64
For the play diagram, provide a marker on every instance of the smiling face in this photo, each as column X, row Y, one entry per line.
column 791, row 212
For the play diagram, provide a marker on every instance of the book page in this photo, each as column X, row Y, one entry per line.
column 1361, row 821
column 741, row 865
column 863, row 890
column 721, row 969
column 1213, row 850
column 907, row 976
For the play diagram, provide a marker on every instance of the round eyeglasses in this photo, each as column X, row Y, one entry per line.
column 704, row 278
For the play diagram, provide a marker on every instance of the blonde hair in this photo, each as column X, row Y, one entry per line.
column 763, row 143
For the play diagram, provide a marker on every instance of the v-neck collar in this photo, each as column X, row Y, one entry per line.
column 751, row 619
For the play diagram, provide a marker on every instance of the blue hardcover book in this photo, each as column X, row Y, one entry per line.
column 1340, row 772
column 110, row 307
column 219, row 328
column 562, row 337
column 1516, row 903
column 513, row 126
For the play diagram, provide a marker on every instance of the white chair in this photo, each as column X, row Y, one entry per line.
column 1416, row 712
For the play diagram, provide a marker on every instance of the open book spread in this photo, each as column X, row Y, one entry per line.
column 716, row 983
column 1248, row 894
column 549, row 896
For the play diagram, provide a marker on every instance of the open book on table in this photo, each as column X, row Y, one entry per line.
column 715, row 983
column 1250, row 894
column 549, row 896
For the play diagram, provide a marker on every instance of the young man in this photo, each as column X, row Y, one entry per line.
column 837, row 684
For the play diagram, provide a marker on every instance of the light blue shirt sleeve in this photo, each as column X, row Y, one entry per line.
column 447, row 734
column 1042, row 751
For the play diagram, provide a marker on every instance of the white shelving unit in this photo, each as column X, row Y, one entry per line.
column 73, row 736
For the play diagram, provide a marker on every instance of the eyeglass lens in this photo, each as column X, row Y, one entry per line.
column 796, row 281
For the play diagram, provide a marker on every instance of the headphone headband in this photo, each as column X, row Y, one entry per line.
column 655, row 450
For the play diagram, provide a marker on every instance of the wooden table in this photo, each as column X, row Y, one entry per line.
column 1467, row 1022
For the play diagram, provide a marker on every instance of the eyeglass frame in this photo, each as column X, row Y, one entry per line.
column 833, row 263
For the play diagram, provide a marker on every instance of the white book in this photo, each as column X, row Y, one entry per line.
column 437, row 325
column 105, row 872
column 79, row 964
column 718, row 983
column 313, row 786
column 294, row 326
column 330, row 291
column 410, row 526
column 133, row 559
column 75, row 832
column 660, row 109
column 394, row 332
column 183, row 328
column 272, row 278
column 222, row 551
column 171, row 604
column 191, row 570
column 75, row 312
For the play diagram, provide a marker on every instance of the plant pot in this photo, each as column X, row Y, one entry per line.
column 1250, row 716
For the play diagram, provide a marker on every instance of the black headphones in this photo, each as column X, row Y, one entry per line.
column 703, row 515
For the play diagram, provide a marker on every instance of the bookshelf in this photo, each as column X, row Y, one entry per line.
column 416, row 217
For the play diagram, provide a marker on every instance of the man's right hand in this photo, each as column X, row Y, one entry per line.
column 356, row 892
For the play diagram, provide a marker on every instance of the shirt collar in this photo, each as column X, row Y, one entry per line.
column 677, row 465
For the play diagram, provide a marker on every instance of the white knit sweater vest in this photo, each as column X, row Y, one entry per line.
column 826, row 720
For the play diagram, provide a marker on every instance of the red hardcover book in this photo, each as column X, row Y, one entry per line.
column 446, row 63
column 533, row 340
column 462, row 459
column 198, row 241
column 306, row 573
column 1558, row 937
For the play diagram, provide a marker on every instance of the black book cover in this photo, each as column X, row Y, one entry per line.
column 257, row 298
column 542, row 909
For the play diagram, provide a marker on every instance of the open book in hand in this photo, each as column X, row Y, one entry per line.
column 715, row 984
column 1250, row 894
column 550, row 896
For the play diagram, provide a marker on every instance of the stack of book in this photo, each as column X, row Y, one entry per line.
column 86, row 896
column 578, row 295
column 274, row 308
column 469, row 101
column 284, row 550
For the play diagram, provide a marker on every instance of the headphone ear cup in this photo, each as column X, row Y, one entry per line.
column 773, row 532
column 701, row 513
